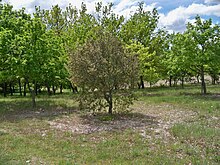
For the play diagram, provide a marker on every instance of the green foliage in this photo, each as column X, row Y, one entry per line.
column 141, row 29
column 147, row 61
column 177, row 59
column 203, row 36
column 36, row 49
column 140, row 26
column 28, row 43
column 102, row 69
column 107, row 19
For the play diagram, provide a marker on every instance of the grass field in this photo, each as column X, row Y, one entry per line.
column 166, row 126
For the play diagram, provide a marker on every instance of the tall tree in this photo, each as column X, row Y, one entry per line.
column 140, row 28
column 107, row 19
column 13, row 27
column 57, row 27
column 177, row 59
column 203, row 35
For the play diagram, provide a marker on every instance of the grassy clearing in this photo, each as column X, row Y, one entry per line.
column 168, row 126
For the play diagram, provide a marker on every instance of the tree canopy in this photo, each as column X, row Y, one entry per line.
column 101, row 68
column 106, row 51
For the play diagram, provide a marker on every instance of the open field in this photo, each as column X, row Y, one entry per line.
column 166, row 126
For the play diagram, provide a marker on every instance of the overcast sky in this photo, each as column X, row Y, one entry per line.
column 174, row 14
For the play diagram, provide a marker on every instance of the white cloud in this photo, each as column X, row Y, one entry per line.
column 173, row 20
column 127, row 7
column 203, row 10
column 124, row 4
column 123, row 7
column 212, row 1
column 44, row 4
column 177, row 18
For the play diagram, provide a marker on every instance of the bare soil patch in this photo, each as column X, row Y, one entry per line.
column 90, row 123
column 148, row 120
column 157, row 119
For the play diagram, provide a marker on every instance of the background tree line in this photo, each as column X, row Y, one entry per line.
column 44, row 50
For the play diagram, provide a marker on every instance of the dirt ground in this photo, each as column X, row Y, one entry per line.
column 156, row 119
column 149, row 120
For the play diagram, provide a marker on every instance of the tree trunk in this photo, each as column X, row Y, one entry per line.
column 61, row 89
column 5, row 89
column 197, row 77
column 203, row 85
column 25, row 87
column 48, row 88
column 175, row 81
column 19, row 84
column 110, row 104
column 54, row 89
column 142, row 82
column 139, row 85
column 74, row 88
column 35, row 87
column 11, row 90
column 108, row 98
column 71, row 87
column 170, row 81
column 110, row 108
column 33, row 98
column 182, row 82
column 214, row 79
column 32, row 92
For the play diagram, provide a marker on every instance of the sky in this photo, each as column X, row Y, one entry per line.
column 174, row 14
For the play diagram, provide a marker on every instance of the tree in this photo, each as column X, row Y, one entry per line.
column 177, row 59
column 106, row 18
column 203, row 36
column 56, row 37
column 12, row 41
column 214, row 68
column 81, row 26
column 140, row 28
column 101, row 68
column 145, row 62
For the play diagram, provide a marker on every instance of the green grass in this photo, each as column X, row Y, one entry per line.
column 26, row 136
column 189, row 97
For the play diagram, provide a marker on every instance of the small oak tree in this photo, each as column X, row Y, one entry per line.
column 102, row 69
